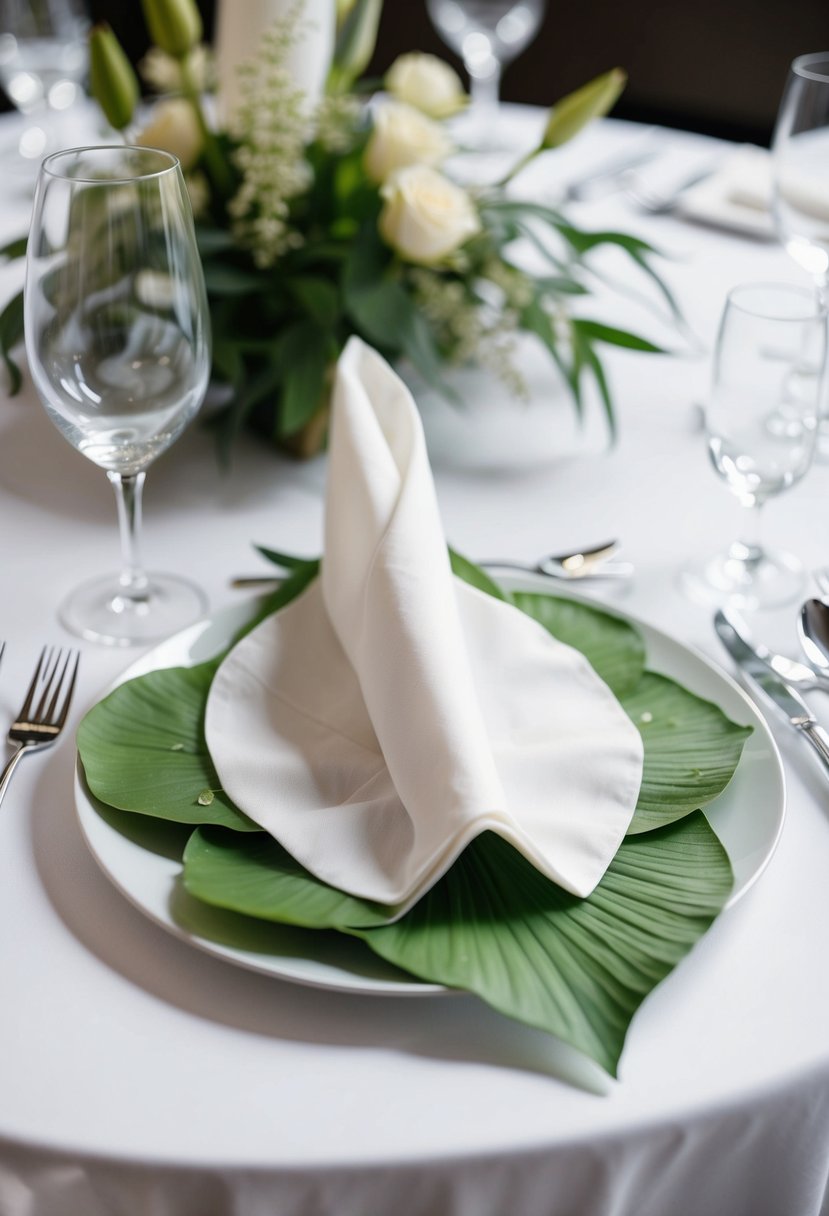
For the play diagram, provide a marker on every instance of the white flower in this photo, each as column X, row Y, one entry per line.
column 173, row 127
column 426, row 82
column 403, row 136
column 425, row 216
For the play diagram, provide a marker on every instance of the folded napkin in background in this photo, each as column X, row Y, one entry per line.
column 392, row 713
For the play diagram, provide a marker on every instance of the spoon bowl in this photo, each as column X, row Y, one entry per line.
column 813, row 629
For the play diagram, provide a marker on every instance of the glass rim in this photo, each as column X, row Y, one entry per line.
column 792, row 289
column 170, row 165
column 804, row 65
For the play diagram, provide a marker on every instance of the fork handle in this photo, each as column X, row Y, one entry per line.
column 8, row 771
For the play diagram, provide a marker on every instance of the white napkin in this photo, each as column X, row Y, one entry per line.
column 392, row 713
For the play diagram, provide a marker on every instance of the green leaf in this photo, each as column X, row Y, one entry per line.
column 261, row 879
column 613, row 647
column 225, row 279
column 493, row 925
column 305, row 352
column 214, row 240
column 288, row 561
column 143, row 749
column 691, row 750
column 474, row 575
column 578, row 969
column 15, row 248
column 599, row 332
column 11, row 332
column 318, row 298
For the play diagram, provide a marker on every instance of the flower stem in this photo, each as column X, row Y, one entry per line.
column 214, row 159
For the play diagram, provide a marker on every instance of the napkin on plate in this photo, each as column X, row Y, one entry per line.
column 392, row 713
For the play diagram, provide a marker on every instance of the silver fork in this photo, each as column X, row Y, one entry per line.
column 42, row 715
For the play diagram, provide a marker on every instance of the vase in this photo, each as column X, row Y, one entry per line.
column 239, row 30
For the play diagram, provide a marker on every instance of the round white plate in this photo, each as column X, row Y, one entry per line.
column 141, row 856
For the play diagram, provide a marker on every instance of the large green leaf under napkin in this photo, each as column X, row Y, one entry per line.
column 492, row 925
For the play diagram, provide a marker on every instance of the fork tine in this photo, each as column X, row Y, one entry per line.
column 49, row 672
column 26, row 708
column 69, row 691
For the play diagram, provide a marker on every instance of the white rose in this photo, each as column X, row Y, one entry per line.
column 403, row 136
column 173, row 128
column 425, row 216
column 426, row 82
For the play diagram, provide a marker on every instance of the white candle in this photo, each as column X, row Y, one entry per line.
column 239, row 28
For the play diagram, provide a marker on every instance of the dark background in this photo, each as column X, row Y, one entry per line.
column 717, row 66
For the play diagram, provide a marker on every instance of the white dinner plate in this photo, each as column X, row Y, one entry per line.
column 141, row 856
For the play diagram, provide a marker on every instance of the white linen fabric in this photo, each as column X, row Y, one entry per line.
column 392, row 713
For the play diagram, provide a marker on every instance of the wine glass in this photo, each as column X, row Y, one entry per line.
column 117, row 338
column 43, row 59
column 800, row 180
column 761, row 424
column 487, row 34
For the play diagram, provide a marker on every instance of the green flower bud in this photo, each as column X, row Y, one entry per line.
column 112, row 81
column 356, row 40
column 576, row 110
column 174, row 25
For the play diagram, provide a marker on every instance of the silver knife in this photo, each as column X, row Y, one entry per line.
column 772, row 687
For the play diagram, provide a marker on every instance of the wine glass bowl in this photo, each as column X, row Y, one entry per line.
column 43, row 60
column 487, row 34
column 117, row 338
column 800, row 181
column 761, row 425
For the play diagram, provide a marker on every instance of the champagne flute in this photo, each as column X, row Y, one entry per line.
column 43, row 59
column 487, row 34
column 117, row 338
column 761, row 424
column 800, row 180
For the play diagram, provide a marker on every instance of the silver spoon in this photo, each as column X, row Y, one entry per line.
column 813, row 628
column 792, row 670
column 583, row 563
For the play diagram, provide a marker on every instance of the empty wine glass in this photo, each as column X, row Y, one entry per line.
column 43, row 59
column 800, row 179
column 487, row 34
column 761, row 424
column 117, row 337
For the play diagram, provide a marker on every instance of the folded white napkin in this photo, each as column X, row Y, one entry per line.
column 739, row 195
column 392, row 713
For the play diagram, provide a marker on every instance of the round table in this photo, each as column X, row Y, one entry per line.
column 140, row 1075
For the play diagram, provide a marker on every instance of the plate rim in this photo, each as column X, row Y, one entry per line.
column 183, row 646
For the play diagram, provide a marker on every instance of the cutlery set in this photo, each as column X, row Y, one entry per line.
column 778, row 679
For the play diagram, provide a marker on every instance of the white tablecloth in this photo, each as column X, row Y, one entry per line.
column 138, row 1075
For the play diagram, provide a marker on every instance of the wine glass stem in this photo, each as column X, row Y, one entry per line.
column 485, row 90
column 748, row 549
column 128, row 491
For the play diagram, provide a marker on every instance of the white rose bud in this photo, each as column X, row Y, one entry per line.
column 425, row 217
column 426, row 82
column 174, row 128
column 403, row 136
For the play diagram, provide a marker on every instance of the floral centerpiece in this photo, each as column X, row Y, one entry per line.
column 320, row 216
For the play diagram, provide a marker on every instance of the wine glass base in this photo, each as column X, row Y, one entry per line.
column 770, row 581
column 100, row 612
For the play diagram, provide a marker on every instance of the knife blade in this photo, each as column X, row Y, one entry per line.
column 762, row 678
